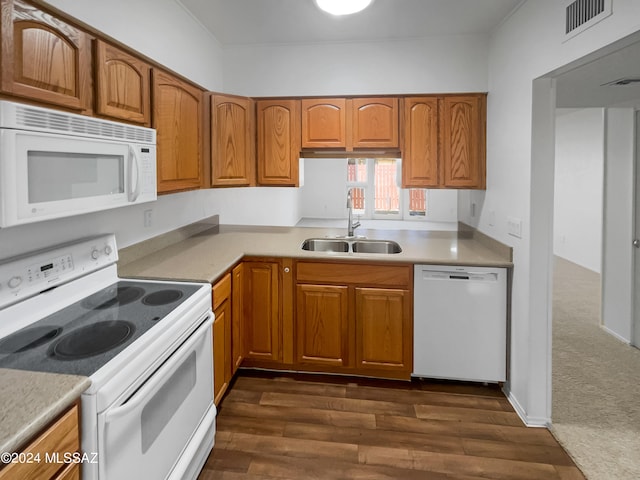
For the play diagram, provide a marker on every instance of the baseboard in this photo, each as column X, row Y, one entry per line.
column 539, row 422
column 615, row 335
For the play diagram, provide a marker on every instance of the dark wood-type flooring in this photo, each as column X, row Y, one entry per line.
column 307, row 427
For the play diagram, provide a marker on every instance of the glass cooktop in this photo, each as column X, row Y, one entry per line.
column 84, row 336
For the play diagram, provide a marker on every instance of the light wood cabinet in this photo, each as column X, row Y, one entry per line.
column 44, row 58
column 177, row 117
column 383, row 325
column 237, row 317
column 350, row 123
column 324, row 123
column 222, row 337
column 420, row 156
column 463, row 141
column 354, row 319
column 278, row 142
column 122, row 85
column 322, row 325
column 62, row 437
column 232, row 141
column 443, row 143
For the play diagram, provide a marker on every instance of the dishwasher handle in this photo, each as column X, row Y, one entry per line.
column 459, row 276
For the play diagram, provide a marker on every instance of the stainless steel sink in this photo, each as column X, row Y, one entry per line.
column 325, row 245
column 375, row 246
column 354, row 246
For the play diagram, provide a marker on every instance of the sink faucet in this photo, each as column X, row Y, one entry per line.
column 351, row 226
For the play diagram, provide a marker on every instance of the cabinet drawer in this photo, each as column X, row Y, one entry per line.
column 353, row 273
column 221, row 291
column 60, row 438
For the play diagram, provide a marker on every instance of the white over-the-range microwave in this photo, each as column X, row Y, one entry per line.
column 56, row 164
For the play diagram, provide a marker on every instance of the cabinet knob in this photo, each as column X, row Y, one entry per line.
column 287, row 269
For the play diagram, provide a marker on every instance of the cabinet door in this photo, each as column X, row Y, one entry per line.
column 177, row 117
column 232, row 145
column 44, row 58
column 122, row 85
column 322, row 326
column 221, row 350
column 262, row 311
column 463, row 141
column 375, row 123
column 384, row 333
column 278, row 142
column 237, row 318
column 324, row 123
column 420, row 142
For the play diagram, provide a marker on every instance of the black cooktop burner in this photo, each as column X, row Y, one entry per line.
column 162, row 297
column 111, row 297
column 29, row 338
column 92, row 339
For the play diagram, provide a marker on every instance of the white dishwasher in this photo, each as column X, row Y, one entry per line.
column 460, row 323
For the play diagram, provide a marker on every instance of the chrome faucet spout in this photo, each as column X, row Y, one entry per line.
column 351, row 225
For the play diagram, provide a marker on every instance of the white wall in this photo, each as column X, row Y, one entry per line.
column 579, row 170
column 617, row 273
column 453, row 63
column 520, row 157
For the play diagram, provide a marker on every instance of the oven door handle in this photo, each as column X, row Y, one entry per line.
column 154, row 384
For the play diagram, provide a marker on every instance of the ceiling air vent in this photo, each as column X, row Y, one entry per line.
column 582, row 14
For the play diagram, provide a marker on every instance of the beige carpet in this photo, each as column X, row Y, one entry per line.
column 596, row 381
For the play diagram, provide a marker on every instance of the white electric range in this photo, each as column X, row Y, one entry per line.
column 146, row 346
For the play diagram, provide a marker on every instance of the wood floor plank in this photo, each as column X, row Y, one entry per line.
column 510, row 451
column 431, row 443
column 310, row 388
column 238, row 424
column 468, row 415
column 570, row 473
column 339, row 404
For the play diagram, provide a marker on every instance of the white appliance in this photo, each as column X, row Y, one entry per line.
column 55, row 164
column 145, row 345
column 460, row 323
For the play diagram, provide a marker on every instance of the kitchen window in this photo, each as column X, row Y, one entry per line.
column 376, row 192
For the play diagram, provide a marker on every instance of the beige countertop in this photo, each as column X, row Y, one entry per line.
column 205, row 256
column 29, row 401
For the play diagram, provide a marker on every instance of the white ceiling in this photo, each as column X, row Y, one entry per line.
column 247, row 22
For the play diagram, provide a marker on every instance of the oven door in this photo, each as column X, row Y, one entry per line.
column 145, row 434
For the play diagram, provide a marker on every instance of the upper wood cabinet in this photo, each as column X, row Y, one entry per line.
column 278, row 142
column 463, row 141
column 177, row 117
column 232, row 141
column 420, row 142
column 44, row 58
column 348, row 123
column 122, row 85
column 374, row 123
column 324, row 123
column 443, row 143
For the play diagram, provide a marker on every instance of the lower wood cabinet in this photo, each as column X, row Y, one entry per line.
column 60, row 439
column 354, row 318
column 222, row 346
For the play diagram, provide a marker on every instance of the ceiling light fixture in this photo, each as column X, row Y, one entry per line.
column 342, row 7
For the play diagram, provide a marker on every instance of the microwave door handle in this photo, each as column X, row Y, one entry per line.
column 134, row 166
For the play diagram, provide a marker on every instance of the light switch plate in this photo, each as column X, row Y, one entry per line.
column 514, row 227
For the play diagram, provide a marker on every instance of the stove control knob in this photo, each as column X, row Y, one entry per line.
column 15, row 282
column 95, row 254
column 108, row 250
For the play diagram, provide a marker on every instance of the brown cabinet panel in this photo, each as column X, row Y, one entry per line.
column 278, row 142
column 420, row 145
column 221, row 350
column 44, row 58
column 384, row 333
column 237, row 318
column 382, row 275
column 232, row 141
column 322, row 325
column 324, row 123
column 177, row 117
column 262, row 311
column 463, row 141
column 375, row 123
column 122, row 85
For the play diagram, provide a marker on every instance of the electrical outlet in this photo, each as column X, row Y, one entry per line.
column 514, row 227
column 473, row 209
column 148, row 217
